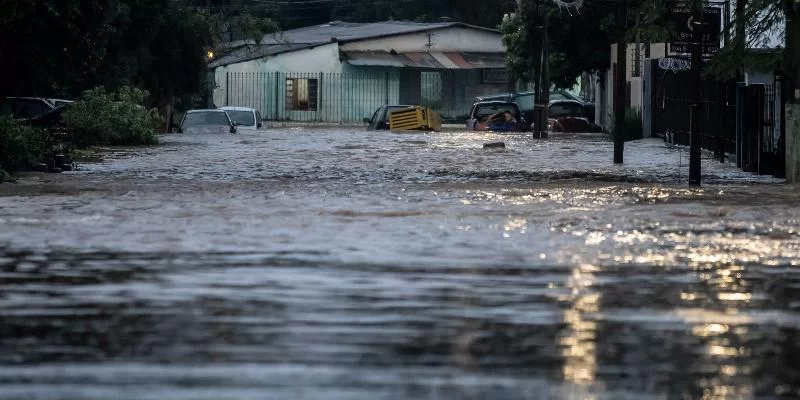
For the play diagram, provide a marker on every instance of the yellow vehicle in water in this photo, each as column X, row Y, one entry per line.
column 415, row 118
column 404, row 118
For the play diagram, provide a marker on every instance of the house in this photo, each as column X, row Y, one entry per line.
column 342, row 72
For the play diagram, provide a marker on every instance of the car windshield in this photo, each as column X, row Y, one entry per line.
column 206, row 118
column 242, row 117
column 567, row 108
column 525, row 101
column 485, row 110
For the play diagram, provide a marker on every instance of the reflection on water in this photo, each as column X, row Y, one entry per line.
column 349, row 265
column 580, row 354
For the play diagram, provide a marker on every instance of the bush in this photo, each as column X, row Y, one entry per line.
column 633, row 124
column 21, row 147
column 633, row 128
column 100, row 117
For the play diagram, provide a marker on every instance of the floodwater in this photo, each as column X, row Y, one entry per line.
column 310, row 263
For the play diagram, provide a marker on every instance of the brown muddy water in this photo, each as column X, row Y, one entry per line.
column 342, row 264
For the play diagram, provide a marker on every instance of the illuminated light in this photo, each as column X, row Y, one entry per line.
column 710, row 330
column 595, row 238
column 688, row 296
column 734, row 296
column 729, row 370
column 716, row 350
column 210, row 55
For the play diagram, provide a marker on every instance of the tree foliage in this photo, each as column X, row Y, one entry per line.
column 61, row 48
column 579, row 40
column 102, row 117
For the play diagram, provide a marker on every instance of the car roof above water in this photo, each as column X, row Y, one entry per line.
column 234, row 108
column 205, row 110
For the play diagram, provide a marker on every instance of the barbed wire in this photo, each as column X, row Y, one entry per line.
column 674, row 64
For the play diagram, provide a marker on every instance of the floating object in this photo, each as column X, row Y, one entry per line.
column 416, row 118
column 494, row 145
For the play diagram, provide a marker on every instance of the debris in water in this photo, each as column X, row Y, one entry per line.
column 494, row 145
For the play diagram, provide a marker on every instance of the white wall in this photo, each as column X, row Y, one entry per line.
column 448, row 39
column 323, row 58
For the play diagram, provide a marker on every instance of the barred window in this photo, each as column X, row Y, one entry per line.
column 301, row 94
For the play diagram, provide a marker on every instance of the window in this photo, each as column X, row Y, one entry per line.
column 29, row 108
column 525, row 101
column 567, row 108
column 301, row 94
column 245, row 118
column 205, row 118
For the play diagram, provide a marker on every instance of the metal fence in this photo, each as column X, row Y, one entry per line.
column 324, row 97
column 351, row 97
column 741, row 121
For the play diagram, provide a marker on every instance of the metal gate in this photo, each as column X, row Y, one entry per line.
column 744, row 121
column 672, row 91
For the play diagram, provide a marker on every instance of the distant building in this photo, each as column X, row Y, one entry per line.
column 343, row 71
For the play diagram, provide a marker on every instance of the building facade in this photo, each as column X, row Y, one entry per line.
column 342, row 72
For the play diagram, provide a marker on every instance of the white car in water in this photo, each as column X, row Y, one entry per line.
column 246, row 119
column 206, row 121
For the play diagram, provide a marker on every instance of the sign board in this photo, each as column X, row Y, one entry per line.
column 682, row 23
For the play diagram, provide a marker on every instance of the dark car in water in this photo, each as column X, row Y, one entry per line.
column 497, row 116
column 206, row 121
column 569, row 116
column 52, row 121
column 526, row 101
column 25, row 107
column 380, row 118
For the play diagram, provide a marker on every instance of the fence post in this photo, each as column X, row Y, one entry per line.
column 277, row 95
column 386, row 87
column 227, row 86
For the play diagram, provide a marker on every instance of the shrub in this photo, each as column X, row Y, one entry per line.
column 21, row 146
column 633, row 124
column 100, row 117
column 633, row 128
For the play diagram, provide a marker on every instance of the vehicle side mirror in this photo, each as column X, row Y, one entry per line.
column 233, row 128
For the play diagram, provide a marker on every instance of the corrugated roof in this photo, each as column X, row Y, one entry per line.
column 252, row 52
column 334, row 31
column 338, row 31
column 435, row 60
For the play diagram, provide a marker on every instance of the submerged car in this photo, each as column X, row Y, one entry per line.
column 53, row 122
column 497, row 116
column 380, row 118
column 569, row 116
column 246, row 119
column 206, row 121
column 526, row 101
column 24, row 107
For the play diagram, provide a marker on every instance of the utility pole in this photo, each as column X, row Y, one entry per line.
column 697, row 115
column 620, row 84
column 791, row 68
column 545, row 76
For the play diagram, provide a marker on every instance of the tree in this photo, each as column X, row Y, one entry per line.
column 62, row 48
column 579, row 41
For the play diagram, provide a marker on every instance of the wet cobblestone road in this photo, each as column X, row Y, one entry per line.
column 342, row 264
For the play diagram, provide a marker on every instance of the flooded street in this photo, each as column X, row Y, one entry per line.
column 311, row 263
